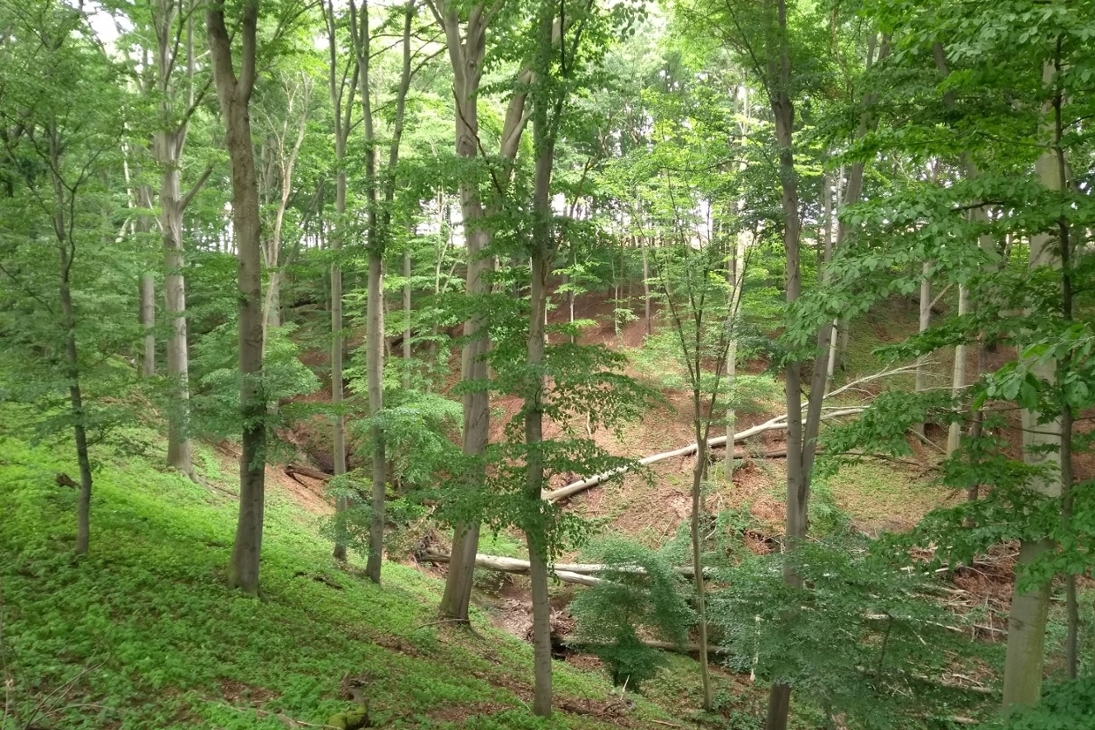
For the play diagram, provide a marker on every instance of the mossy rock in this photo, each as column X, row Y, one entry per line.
column 350, row 719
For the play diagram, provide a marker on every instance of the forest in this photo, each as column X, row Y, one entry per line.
column 544, row 364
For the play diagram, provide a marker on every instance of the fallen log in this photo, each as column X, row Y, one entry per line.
column 521, row 567
column 518, row 567
column 690, row 649
column 305, row 471
column 773, row 424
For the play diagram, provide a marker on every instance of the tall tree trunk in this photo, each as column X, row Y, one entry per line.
column 466, row 52
column 925, row 323
column 285, row 163
column 168, row 145
column 779, row 699
column 175, row 50
column 646, row 292
column 1025, row 660
column 374, row 363
column 534, row 436
column 958, row 379
column 540, row 264
column 379, row 233
column 407, row 317
column 342, row 97
column 148, row 324
column 148, row 290
column 235, row 95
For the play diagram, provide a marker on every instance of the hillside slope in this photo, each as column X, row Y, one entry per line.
column 143, row 632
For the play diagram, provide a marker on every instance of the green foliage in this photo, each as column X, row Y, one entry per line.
column 639, row 592
column 857, row 639
column 1063, row 707
column 215, row 412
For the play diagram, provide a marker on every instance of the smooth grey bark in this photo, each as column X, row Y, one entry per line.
column 925, row 322
column 958, row 377
column 148, row 325
column 281, row 168
column 173, row 26
column 1043, row 444
column 234, row 94
column 467, row 50
column 379, row 235
column 143, row 226
column 342, row 98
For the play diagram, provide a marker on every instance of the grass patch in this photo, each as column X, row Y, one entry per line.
column 880, row 495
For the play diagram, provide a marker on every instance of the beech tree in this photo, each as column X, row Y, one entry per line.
column 59, row 230
column 466, row 41
column 234, row 93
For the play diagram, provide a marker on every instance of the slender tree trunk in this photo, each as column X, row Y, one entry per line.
column 148, row 324
column 407, row 318
column 925, row 323
column 646, row 292
column 374, row 363
column 67, row 250
column 235, row 95
column 76, row 402
column 1025, row 660
column 148, row 291
column 842, row 342
column 698, row 512
column 534, row 436
column 167, row 146
column 540, row 264
column 779, row 699
column 958, row 379
column 342, row 112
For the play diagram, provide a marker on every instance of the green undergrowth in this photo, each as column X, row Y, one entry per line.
column 143, row 632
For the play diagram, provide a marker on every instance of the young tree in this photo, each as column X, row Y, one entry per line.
column 342, row 83
column 55, row 164
column 380, row 195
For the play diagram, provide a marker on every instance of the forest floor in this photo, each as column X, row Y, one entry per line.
column 144, row 633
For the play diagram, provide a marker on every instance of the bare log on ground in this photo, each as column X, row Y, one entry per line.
column 578, row 643
column 572, row 571
column 305, row 471
column 518, row 567
column 774, row 424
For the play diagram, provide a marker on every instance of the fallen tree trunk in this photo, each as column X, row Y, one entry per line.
column 774, row 424
column 305, row 471
column 518, row 567
column 576, row 642
column 571, row 570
